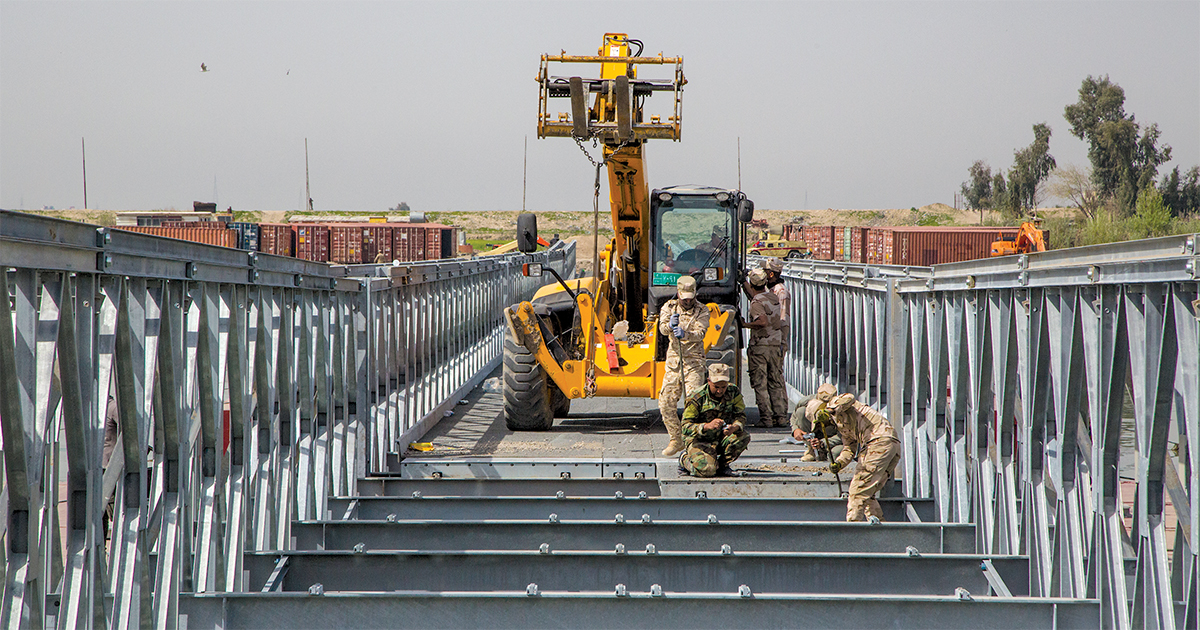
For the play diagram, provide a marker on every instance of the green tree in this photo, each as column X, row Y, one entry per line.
column 1031, row 166
column 1181, row 195
column 1151, row 217
column 401, row 207
column 1124, row 160
column 1000, row 198
column 977, row 191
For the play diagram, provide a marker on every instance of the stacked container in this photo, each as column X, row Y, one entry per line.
column 312, row 242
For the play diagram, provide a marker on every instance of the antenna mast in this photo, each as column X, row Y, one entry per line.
column 307, row 192
column 83, row 146
column 525, row 174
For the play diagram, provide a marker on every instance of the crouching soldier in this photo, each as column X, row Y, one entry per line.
column 813, row 424
column 714, row 426
column 867, row 435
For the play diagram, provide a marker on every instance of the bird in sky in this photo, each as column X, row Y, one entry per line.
column 203, row 67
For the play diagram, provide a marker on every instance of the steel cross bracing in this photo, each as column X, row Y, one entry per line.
column 202, row 348
column 1007, row 378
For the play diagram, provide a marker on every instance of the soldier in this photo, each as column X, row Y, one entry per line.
column 869, row 437
column 684, row 321
column 812, row 418
column 714, row 426
column 775, row 283
column 765, row 362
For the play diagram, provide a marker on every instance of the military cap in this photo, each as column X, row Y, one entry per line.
column 718, row 373
column 775, row 264
column 841, row 402
column 826, row 392
column 686, row 287
column 757, row 277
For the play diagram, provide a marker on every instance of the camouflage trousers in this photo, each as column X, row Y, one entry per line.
column 765, row 364
column 704, row 459
column 681, row 380
column 875, row 465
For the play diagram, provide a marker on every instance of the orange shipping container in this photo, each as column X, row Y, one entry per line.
column 222, row 238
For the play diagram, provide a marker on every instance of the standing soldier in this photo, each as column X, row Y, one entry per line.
column 684, row 321
column 765, row 363
column 714, row 425
column 775, row 282
column 868, row 436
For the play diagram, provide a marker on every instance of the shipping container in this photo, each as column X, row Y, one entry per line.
column 276, row 238
column 345, row 244
column 247, row 235
column 819, row 239
column 312, row 241
column 222, row 238
column 408, row 243
column 377, row 242
column 858, row 244
column 924, row 246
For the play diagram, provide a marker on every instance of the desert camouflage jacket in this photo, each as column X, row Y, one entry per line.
column 702, row 408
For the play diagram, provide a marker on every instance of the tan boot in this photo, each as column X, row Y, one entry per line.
column 808, row 457
column 673, row 448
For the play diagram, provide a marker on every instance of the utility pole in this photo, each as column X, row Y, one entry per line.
column 525, row 173
column 739, row 162
column 307, row 192
column 83, row 147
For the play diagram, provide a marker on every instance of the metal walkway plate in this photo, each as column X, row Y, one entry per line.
column 890, row 574
column 600, row 509
column 928, row 538
column 483, row 487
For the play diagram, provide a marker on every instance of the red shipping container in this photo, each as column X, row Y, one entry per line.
column 433, row 242
column 275, row 238
column 924, row 246
column 377, row 239
column 408, row 243
column 345, row 244
column 819, row 240
column 858, row 244
column 222, row 238
column 312, row 242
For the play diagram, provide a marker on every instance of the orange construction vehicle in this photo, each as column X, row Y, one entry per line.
column 1029, row 238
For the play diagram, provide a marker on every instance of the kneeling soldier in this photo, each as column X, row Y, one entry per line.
column 867, row 435
column 714, row 426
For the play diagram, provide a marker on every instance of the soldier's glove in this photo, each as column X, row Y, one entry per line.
column 678, row 332
column 675, row 320
column 834, row 467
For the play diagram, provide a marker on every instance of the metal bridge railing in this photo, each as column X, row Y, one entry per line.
column 246, row 388
column 1008, row 379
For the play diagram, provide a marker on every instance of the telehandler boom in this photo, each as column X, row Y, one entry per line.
column 597, row 336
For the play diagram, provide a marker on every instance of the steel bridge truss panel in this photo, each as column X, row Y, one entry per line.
column 1008, row 380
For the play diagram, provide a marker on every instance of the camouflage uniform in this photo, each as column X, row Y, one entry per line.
column 765, row 362
column 869, row 437
column 710, row 450
column 685, row 361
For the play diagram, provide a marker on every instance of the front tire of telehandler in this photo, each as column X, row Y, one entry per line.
column 527, row 404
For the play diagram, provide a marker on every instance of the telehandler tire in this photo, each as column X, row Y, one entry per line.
column 559, row 403
column 527, row 395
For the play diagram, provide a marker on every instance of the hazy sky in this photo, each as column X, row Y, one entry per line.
column 837, row 104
